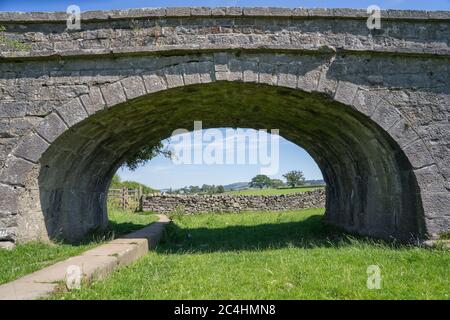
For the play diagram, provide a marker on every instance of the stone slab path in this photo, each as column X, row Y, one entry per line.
column 95, row 264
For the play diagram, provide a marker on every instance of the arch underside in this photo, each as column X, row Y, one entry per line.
column 371, row 186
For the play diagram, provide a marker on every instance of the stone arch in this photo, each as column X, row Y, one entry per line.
column 371, row 168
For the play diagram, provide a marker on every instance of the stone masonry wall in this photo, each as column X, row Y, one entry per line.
column 191, row 204
column 372, row 107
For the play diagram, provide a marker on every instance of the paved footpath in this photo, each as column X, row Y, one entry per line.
column 94, row 264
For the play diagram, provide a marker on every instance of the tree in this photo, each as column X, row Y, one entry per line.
column 146, row 154
column 260, row 181
column 220, row 189
column 294, row 178
column 115, row 181
column 194, row 189
column 276, row 183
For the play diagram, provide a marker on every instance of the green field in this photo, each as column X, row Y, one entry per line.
column 29, row 257
column 291, row 255
column 271, row 192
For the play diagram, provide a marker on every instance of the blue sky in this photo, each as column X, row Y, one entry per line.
column 61, row 5
column 161, row 172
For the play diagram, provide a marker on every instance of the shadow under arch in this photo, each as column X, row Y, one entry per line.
column 371, row 190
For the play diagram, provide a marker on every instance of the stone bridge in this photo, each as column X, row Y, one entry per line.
column 372, row 107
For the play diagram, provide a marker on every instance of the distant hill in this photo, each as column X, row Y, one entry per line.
column 245, row 185
column 314, row 182
column 236, row 186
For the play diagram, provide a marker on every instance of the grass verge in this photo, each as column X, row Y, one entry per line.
column 32, row 256
column 272, row 192
column 291, row 255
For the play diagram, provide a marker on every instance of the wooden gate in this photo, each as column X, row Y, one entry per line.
column 125, row 199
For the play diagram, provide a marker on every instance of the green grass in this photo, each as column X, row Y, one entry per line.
column 271, row 192
column 124, row 222
column 32, row 256
column 290, row 255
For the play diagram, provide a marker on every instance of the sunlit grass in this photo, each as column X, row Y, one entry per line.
column 32, row 256
column 291, row 255
column 271, row 192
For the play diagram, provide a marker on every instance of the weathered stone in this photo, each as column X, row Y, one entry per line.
column 274, row 12
column 345, row 92
column 9, row 198
column 366, row 101
column 190, row 74
column 51, row 127
column 31, row 148
column 154, row 83
column 382, row 156
column 418, row 154
column 200, row 11
column 133, row 86
column 174, row 76
column 385, row 115
column 7, row 245
column 15, row 171
column 72, row 112
column 113, row 93
column 191, row 204
column 12, row 109
column 93, row 101
column 178, row 12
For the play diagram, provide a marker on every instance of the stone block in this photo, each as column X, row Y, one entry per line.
column 9, row 198
column 190, row 74
column 418, row 154
column 178, row 12
column 72, row 112
column 345, row 92
column 201, row 11
column 309, row 81
column 250, row 71
column 15, row 171
column 430, row 179
column 403, row 133
column 20, row 290
column 366, row 101
column 206, row 71
column 7, row 245
column 51, row 127
column 263, row 12
column 267, row 74
column 125, row 253
column 31, row 148
column 154, row 83
column 93, row 102
column 133, row 87
column 10, row 109
column 385, row 115
column 174, row 76
column 113, row 94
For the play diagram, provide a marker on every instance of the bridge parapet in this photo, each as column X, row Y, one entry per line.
column 167, row 30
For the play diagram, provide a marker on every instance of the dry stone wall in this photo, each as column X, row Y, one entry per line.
column 191, row 204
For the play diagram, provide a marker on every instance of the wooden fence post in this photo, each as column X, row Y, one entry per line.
column 124, row 198
column 140, row 198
